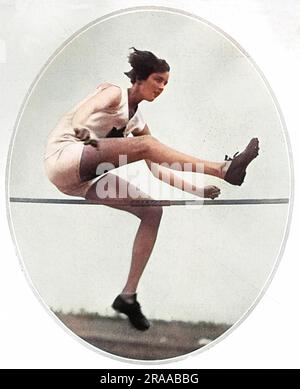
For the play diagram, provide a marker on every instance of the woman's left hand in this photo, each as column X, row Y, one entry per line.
column 85, row 136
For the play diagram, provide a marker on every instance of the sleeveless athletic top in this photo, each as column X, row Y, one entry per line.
column 101, row 124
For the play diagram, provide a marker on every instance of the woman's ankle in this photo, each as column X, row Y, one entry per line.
column 216, row 169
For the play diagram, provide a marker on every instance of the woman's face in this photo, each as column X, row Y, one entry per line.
column 154, row 85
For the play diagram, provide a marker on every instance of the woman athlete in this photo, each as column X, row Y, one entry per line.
column 95, row 134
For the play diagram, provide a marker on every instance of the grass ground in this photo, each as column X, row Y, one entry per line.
column 162, row 341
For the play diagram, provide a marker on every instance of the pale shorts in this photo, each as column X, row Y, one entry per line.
column 62, row 169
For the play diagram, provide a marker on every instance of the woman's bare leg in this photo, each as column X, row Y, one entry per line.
column 140, row 148
column 142, row 247
column 146, row 235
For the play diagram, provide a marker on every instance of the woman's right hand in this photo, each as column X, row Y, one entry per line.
column 85, row 136
column 211, row 192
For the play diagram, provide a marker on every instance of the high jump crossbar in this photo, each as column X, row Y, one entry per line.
column 145, row 202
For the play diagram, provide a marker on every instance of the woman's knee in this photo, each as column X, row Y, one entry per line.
column 153, row 214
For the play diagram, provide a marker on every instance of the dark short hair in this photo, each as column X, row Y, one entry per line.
column 143, row 64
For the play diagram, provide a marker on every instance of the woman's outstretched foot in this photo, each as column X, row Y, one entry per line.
column 235, row 168
column 133, row 311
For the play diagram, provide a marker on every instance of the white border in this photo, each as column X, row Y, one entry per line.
column 134, row 9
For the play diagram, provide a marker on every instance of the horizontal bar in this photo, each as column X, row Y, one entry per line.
column 143, row 203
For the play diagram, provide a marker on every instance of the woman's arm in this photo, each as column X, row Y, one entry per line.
column 108, row 98
column 166, row 175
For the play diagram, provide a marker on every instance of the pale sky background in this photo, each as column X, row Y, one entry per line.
column 209, row 263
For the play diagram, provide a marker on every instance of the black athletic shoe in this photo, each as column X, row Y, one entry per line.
column 133, row 311
column 237, row 170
